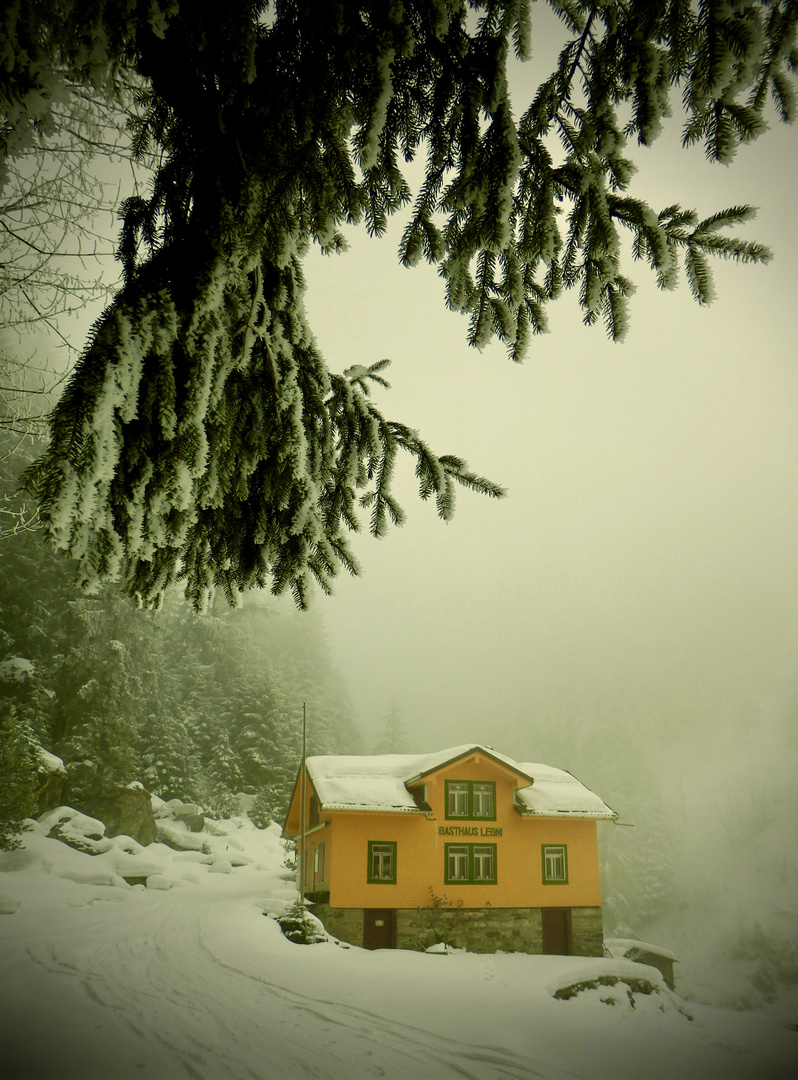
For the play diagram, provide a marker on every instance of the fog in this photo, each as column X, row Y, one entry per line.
column 643, row 564
column 630, row 610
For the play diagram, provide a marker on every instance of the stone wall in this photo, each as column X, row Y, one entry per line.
column 343, row 923
column 587, row 931
column 480, row 930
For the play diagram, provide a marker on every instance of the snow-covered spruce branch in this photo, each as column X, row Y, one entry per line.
column 202, row 436
column 254, row 480
column 369, row 443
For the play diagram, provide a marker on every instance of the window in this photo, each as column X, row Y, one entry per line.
column 382, row 862
column 456, row 799
column 457, row 862
column 470, row 864
column 555, row 864
column 484, row 862
column 320, row 863
column 471, row 799
column 483, row 803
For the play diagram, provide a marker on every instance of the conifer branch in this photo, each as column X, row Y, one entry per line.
column 202, row 435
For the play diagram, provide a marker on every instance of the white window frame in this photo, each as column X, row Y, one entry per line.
column 482, row 795
column 470, row 864
column 484, row 858
column 458, row 860
column 382, row 861
column 457, row 799
column 555, row 864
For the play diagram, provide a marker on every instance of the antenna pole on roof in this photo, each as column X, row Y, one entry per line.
column 302, row 797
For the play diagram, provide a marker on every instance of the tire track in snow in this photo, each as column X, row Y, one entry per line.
column 222, row 1020
column 419, row 1052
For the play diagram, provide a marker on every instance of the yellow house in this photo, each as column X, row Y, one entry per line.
column 465, row 846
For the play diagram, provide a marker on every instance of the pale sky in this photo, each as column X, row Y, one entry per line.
column 644, row 563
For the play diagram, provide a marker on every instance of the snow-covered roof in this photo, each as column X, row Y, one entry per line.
column 557, row 793
column 365, row 783
column 380, row 782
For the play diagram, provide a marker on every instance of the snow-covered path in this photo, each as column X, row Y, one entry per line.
column 101, row 980
column 214, row 984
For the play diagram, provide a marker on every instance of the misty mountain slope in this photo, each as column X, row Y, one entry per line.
column 188, row 978
column 709, row 867
column 733, row 917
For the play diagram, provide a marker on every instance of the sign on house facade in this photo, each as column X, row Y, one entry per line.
column 466, row 847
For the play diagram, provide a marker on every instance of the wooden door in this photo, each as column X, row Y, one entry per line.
column 556, row 931
column 379, row 928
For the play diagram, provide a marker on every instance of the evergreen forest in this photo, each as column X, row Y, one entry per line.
column 196, row 708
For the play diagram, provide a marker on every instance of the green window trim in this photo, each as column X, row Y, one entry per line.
column 554, row 861
column 471, row 796
column 461, row 862
column 381, row 865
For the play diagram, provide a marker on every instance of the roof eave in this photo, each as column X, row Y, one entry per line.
column 567, row 813
column 368, row 809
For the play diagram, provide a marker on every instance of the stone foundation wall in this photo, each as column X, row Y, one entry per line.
column 480, row 930
column 587, row 931
column 343, row 923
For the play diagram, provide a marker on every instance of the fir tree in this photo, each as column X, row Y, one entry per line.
column 18, row 763
column 169, row 758
column 196, row 707
column 224, row 767
column 394, row 736
column 202, row 436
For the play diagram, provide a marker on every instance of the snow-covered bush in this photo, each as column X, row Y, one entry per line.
column 300, row 926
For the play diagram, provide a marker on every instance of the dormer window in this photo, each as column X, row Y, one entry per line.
column 483, row 800
column 456, row 799
column 471, row 799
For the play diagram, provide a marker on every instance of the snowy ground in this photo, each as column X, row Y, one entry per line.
column 102, row 980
